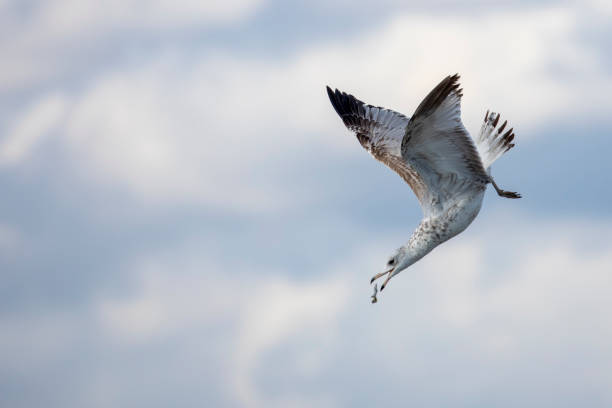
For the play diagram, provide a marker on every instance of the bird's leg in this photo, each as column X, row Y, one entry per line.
column 503, row 193
column 378, row 275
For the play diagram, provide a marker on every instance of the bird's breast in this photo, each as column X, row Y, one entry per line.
column 457, row 217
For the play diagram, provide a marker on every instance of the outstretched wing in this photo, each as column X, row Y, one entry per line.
column 439, row 148
column 380, row 131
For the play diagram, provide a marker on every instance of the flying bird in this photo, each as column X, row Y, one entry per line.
column 434, row 153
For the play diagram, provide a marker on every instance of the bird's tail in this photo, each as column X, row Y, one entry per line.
column 491, row 141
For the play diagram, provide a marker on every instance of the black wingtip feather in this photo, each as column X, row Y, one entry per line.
column 330, row 93
column 335, row 99
column 350, row 109
column 344, row 103
column 448, row 85
column 496, row 120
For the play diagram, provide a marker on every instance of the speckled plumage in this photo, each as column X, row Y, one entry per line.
column 433, row 152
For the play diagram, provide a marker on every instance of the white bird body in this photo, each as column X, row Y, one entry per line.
column 436, row 229
column 435, row 155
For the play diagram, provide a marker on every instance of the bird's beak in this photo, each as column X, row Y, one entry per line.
column 378, row 275
column 389, row 275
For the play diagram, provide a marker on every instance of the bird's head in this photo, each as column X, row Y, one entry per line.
column 392, row 263
column 397, row 262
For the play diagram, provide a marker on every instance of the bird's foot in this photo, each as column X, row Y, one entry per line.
column 503, row 193
column 508, row 194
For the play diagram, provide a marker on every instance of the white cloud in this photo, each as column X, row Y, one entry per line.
column 170, row 138
column 600, row 7
column 496, row 309
column 509, row 62
column 280, row 312
column 31, row 127
column 169, row 295
column 49, row 38
column 506, row 310
column 207, row 129
column 69, row 16
column 470, row 306
column 179, row 293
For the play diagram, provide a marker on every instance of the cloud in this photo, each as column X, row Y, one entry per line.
column 173, row 139
column 519, row 308
column 179, row 293
column 48, row 40
column 71, row 16
column 163, row 302
column 477, row 305
column 214, row 129
column 31, row 127
column 600, row 6
column 511, row 62
column 279, row 312
column 221, row 280
column 9, row 239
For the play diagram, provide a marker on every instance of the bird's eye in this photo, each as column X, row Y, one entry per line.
column 391, row 262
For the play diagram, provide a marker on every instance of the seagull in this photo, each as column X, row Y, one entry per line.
column 434, row 153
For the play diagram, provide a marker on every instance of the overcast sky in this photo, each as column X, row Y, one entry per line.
column 185, row 221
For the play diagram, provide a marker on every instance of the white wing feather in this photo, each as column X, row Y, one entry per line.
column 491, row 141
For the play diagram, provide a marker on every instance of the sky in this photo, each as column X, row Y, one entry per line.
column 186, row 222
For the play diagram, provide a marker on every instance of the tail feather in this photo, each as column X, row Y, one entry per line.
column 491, row 142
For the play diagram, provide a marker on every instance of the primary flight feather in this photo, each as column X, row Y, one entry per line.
column 434, row 153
